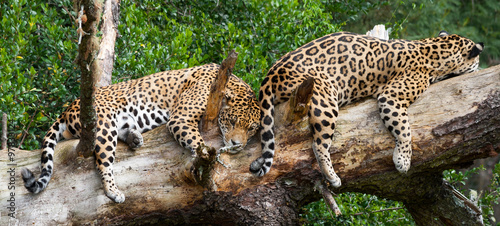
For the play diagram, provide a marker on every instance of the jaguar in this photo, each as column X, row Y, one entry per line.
column 347, row 67
column 177, row 98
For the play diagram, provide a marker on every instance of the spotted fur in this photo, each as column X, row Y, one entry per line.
column 347, row 67
column 125, row 110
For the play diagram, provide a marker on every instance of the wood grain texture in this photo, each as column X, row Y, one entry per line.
column 453, row 123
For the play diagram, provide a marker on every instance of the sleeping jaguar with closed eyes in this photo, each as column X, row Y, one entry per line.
column 347, row 67
column 125, row 110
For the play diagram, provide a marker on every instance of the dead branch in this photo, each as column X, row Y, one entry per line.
column 217, row 92
column 4, row 131
column 455, row 122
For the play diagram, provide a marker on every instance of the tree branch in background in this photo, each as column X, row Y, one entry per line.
column 4, row 131
column 109, row 31
column 95, row 58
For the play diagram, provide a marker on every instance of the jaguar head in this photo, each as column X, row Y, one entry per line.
column 454, row 55
column 239, row 117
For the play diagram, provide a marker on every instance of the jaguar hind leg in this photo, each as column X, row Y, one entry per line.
column 323, row 112
column 127, row 130
column 134, row 139
column 104, row 151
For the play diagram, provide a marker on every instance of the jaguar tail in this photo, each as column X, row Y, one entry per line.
column 49, row 142
column 263, row 164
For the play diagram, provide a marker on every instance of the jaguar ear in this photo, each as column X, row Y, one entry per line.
column 226, row 99
column 476, row 50
column 443, row 33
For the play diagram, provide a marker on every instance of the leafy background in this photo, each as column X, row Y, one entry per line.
column 38, row 46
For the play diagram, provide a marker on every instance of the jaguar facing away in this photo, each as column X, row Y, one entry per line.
column 347, row 67
column 125, row 110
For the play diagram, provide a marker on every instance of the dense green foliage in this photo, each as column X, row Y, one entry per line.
column 358, row 209
column 184, row 34
column 37, row 75
column 487, row 197
column 38, row 46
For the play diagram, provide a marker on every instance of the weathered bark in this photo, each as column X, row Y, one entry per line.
column 106, row 55
column 217, row 92
column 453, row 123
column 95, row 58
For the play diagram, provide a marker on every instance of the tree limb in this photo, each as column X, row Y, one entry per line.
column 95, row 57
column 106, row 55
column 4, row 131
column 217, row 92
column 453, row 123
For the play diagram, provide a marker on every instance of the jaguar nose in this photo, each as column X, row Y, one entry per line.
column 234, row 143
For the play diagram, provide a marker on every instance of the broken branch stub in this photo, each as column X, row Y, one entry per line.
column 328, row 198
column 203, row 163
column 299, row 100
column 214, row 101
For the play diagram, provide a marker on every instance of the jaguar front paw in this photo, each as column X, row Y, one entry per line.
column 402, row 159
column 231, row 149
column 401, row 165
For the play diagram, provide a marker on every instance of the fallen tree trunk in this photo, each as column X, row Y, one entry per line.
column 453, row 123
